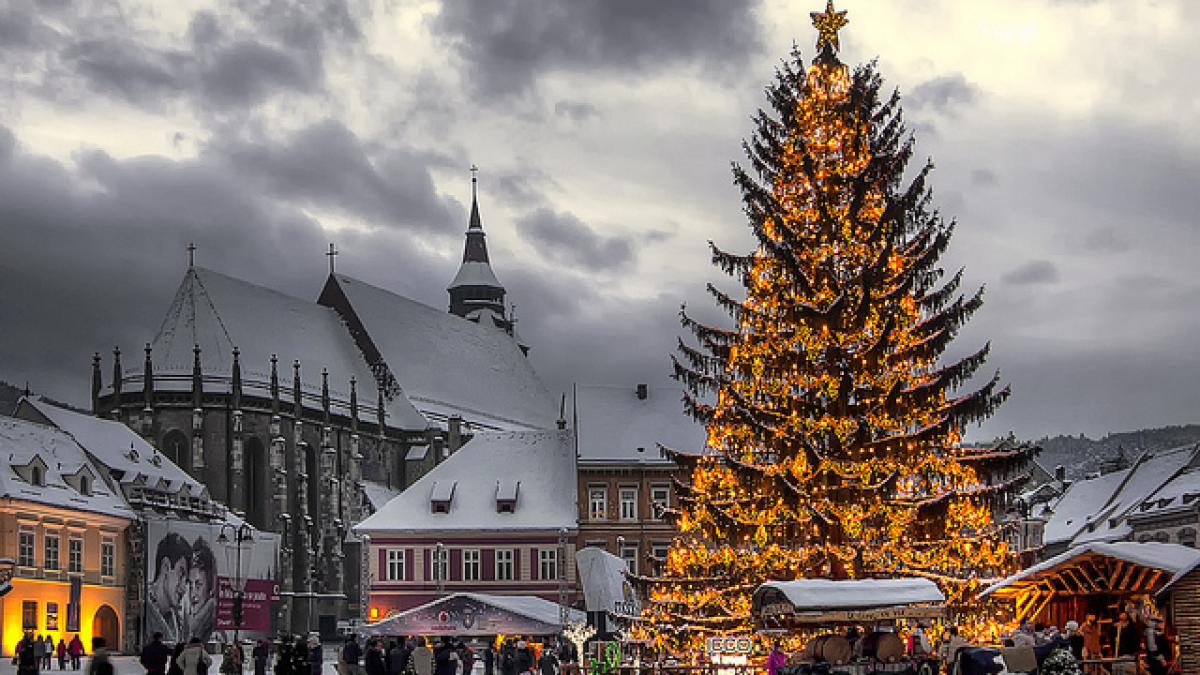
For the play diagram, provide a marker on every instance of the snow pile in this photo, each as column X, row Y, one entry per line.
column 808, row 595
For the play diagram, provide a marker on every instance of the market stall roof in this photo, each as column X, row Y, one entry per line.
column 1097, row 568
column 826, row 600
column 477, row 615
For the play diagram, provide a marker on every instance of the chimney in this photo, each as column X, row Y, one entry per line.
column 642, row 392
column 1060, row 473
column 454, row 433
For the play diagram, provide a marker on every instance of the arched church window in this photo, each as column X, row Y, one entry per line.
column 178, row 449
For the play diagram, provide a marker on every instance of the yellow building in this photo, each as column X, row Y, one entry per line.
column 62, row 531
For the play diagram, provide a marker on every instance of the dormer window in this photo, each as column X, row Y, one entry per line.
column 441, row 495
column 506, row 495
column 85, row 485
column 36, row 477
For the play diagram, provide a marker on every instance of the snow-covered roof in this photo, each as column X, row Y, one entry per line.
column 1149, row 473
column 808, row 595
column 543, row 461
column 614, row 425
column 219, row 312
column 117, row 447
column 1180, row 493
column 446, row 363
column 22, row 441
column 1081, row 501
column 474, row 273
column 1170, row 558
column 378, row 494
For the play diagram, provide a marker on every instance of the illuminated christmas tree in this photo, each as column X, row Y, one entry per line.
column 833, row 431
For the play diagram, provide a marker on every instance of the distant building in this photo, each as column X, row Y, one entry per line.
column 63, row 528
column 1153, row 499
column 496, row 517
column 625, row 481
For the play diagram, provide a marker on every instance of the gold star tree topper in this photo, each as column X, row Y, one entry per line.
column 828, row 23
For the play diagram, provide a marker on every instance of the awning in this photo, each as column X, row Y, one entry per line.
column 477, row 615
column 1099, row 568
column 827, row 600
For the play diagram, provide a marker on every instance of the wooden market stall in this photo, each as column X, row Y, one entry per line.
column 1180, row 600
column 1096, row 578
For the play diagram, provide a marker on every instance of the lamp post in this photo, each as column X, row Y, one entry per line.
column 242, row 534
column 439, row 553
column 562, row 578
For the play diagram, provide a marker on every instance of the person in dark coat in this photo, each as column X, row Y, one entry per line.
column 100, row 663
column 61, row 650
column 283, row 660
column 301, row 659
column 489, row 660
column 26, row 658
column 523, row 658
column 75, row 649
column 548, row 664
column 374, row 661
column 441, row 658
column 508, row 658
column 397, row 658
column 260, row 654
column 155, row 656
column 174, row 667
column 316, row 657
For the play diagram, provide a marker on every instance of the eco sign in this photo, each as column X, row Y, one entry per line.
column 728, row 645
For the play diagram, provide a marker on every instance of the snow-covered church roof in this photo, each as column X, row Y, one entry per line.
column 476, row 483
column 627, row 424
column 60, row 464
column 448, row 365
column 218, row 312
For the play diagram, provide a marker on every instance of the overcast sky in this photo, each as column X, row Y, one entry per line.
column 1064, row 132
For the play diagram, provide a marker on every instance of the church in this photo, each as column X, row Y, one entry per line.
column 291, row 411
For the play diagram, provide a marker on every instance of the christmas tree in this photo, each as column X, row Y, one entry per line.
column 833, row 444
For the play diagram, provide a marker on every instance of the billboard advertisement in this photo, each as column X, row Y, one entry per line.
column 191, row 576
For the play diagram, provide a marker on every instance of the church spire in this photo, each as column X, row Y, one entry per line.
column 476, row 293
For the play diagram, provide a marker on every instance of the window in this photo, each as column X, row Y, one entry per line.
column 597, row 503
column 395, row 565
column 51, row 543
column 629, row 497
column 470, row 571
column 29, row 615
column 75, row 556
column 660, row 499
column 504, row 564
column 108, row 553
column 35, row 475
column 25, row 550
column 51, row 616
column 85, row 485
column 659, row 549
column 547, row 564
column 630, row 555
column 441, row 564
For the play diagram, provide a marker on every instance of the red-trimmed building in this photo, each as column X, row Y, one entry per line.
column 497, row 517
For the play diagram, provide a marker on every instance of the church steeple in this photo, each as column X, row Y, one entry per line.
column 476, row 293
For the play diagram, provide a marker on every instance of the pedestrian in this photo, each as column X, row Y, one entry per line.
column 176, row 666
column 301, row 657
column 1127, row 643
column 193, row 660
column 489, row 660
column 397, row 658
column 316, row 657
column 468, row 657
column 374, row 662
column 62, row 654
column 231, row 663
column 75, row 649
column 522, row 658
column 260, row 654
column 100, row 663
column 420, row 661
column 25, row 656
column 918, row 642
column 155, row 656
column 283, row 660
column 1157, row 650
column 1074, row 639
column 777, row 659
column 39, row 651
column 950, row 648
column 547, row 664
column 48, row 655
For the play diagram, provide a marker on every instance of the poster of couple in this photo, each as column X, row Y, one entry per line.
column 190, row 581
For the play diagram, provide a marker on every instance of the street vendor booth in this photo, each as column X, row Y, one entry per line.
column 1180, row 600
column 807, row 605
column 478, row 615
column 1096, row 578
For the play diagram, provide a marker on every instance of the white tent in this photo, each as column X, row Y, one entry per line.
column 827, row 600
column 478, row 615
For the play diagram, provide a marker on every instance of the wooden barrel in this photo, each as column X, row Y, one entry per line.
column 833, row 649
column 881, row 646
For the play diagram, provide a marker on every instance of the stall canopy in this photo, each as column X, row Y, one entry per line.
column 477, row 615
column 826, row 600
column 1097, row 569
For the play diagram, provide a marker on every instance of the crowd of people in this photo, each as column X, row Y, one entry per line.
column 1133, row 635
column 35, row 653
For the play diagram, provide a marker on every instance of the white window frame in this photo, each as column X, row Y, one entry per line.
column 51, row 563
column 628, row 497
column 75, row 555
column 395, row 560
column 504, row 565
column 27, row 548
column 629, row 553
column 548, row 564
column 108, row 558
column 470, row 564
column 655, row 502
column 597, row 502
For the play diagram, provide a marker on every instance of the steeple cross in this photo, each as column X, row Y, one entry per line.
column 474, row 179
column 191, row 249
column 331, row 254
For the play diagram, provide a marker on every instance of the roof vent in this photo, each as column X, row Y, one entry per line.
column 642, row 392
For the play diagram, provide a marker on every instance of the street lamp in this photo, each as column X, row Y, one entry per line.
column 243, row 534
column 562, row 578
column 439, row 553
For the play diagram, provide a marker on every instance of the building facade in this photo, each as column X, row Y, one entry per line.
column 496, row 517
column 64, row 530
column 625, row 482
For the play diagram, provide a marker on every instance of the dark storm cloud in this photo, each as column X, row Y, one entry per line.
column 1032, row 273
column 327, row 165
column 508, row 44
column 235, row 59
column 559, row 236
column 944, row 94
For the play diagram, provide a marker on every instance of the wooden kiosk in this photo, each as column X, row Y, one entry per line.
column 875, row 605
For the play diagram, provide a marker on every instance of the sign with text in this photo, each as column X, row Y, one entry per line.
column 256, row 604
column 720, row 645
